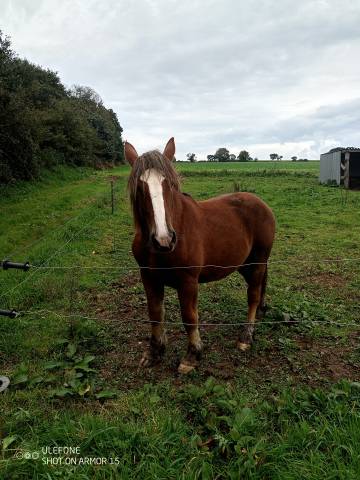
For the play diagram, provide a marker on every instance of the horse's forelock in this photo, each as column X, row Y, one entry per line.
column 156, row 160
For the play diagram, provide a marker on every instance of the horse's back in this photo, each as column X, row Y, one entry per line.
column 243, row 213
column 244, row 204
column 237, row 199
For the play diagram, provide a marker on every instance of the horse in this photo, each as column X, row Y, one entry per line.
column 180, row 242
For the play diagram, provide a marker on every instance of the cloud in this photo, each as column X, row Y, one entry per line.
column 340, row 121
column 255, row 75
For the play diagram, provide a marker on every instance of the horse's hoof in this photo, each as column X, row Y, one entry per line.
column 146, row 361
column 184, row 368
column 243, row 346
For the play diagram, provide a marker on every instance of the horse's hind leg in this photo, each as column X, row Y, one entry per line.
column 255, row 276
column 261, row 310
column 188, row 293
column 155, row 300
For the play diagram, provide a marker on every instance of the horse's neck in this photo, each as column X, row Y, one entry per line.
column 184, row 207
column 181, row 202
column 178, row 201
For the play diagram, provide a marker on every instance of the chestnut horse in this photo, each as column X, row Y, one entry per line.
column 180, row 243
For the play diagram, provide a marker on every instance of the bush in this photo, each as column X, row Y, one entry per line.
column 42, row 124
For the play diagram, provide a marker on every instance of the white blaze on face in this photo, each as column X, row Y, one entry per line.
column 154, row 181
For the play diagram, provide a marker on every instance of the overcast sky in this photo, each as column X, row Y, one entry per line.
column 266, row 76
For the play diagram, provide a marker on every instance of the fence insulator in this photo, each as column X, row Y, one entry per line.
column 9, row 313
column 6, row 265
column 4, row 383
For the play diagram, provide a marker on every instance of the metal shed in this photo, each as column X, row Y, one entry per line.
column 342, row 166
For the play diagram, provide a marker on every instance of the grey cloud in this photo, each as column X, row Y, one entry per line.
column 341, row 121
column 211, row 73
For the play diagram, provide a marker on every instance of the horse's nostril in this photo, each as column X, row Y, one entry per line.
column 164, row 244
column 154, row 241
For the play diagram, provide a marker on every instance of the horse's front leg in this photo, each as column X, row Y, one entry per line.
column 155, row 301
column 188, row 294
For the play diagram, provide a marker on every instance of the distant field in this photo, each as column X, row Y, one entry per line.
column 289, row 408
column 310, row 166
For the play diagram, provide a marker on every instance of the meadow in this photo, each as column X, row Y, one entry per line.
column 287, row 409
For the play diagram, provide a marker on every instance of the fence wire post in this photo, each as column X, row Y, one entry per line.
column 7, row 264
column 8, row 313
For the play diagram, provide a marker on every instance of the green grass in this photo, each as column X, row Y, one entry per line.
column 287, row 409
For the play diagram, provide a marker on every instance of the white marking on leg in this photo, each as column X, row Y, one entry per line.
column 183, row 368
column 243, row 346
column 158, row 329
column 154, row 181
column 195, row 339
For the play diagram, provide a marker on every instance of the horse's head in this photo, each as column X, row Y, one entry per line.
column 152, row 183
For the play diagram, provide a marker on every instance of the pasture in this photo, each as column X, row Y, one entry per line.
column 288, row 408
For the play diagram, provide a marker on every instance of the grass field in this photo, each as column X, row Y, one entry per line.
column 288, row 409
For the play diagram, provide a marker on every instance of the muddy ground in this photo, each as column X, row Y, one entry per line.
column 282, row 353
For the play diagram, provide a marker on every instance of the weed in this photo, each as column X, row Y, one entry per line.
column 251, row 424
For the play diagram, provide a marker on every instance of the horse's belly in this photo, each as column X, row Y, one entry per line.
column 212, row 274
column 222, row 259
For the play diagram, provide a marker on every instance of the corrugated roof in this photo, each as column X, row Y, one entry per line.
column 344, row 149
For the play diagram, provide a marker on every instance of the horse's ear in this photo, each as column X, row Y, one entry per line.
column 169, row 150
column 130, row 153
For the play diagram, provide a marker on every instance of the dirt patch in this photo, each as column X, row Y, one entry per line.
column 334, row 356
column 297, row 358
column 329, row 279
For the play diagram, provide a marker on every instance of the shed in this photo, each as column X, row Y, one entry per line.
column 342, row 166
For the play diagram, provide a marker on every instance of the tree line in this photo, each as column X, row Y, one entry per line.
column 43, row 124
column 223, row 155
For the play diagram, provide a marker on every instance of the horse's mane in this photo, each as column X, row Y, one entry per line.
column 153, row 159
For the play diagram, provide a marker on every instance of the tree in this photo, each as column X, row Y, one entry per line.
column 244, row 156
column 274, row 156
column 86, row 94
column 43, row 124
column 222, row 155
column 232, row 157
column 211, row 158
column 191, row 157
column 293, row 159
column 6, row 52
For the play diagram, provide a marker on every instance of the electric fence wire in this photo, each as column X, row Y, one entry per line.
column 176, row 267
column 59, row 227
column 290, row 321
column 62, row 246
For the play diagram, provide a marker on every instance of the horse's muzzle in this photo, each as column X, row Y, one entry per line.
column 165, row 244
